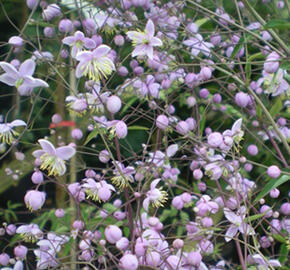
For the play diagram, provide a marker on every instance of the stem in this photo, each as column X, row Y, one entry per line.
column 241, row 258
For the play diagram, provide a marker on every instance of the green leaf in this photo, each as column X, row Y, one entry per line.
column 91, row 136
column 276, row 108
column 270, row 185
column 254, row 217
column 137, row 128
column 278, row 24
column 283, row 254
column 202, row 21
column 248, row 67
column 279, row 238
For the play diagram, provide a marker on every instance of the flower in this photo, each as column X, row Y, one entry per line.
column 98, row 191
column 238, row 223
column 123, row 175
column 30, row 233
column 197, row 45
column 144, row 41
column 156, row 196
column 53, row 159
column 78, row 41
column 95, row 64
column 7, row 133
column 22, row 78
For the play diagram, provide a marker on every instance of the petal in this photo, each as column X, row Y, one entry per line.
column 150, row 29
column 231, row 232
column 136, row 36
column 155, row 41
column 237, row 125
column 28, row 80
column 24, row 90
column 69, row 40
column 9, row 69
column 47, row 146
column 27, row 68
column 146, row 204
column 275, row 263
column 84, row 56
column 38, row 153
column 17, row 123
column 154, row 183
column 40, row 83
column 231, row 216
column 5, row 78
column 79, row 72
column 101, row 51
column 171, row 150
column 139, row 50
column 65, row 152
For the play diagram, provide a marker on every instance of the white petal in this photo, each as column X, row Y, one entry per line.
column 47, row 146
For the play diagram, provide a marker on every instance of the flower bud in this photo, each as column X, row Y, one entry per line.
column 76, row 133
column 273, row 171
column 114, row 104
column 285, row 209
column 177, row 202
column 204, row 93
column 153, row 259
column 194, row 258
column 215, row 39
column 113, row 234
column 191, row 101
column 51, row 11
column 11, row 229
column 16, row 41
column 274, row 193
column 119, row 40
column 31, row 3
column 215, row 139
column 123, row 71
column 65, row 26
column 242, row 99
column 162, row 121
column 267, row 210
column 122, row 244
column 205, row 73
column 178, row 243
column 129, row 262
column 121, row 130
column 78, row 225
column 20, row 251
column 197, row 174
column 182, row 128
column 59, row 213
column 217, row 98
column 201, row 186
column 104, row 156
column 4, row 259
column 37, row 177
column 252, row 150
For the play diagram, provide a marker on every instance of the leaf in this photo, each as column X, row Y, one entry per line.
column 128, row 104
column 285, row 65
column 91, row 136
column 137, row 128
column 279, row 238
column 202, row 21
column 248, row 67
column 276, row 108
column 254, row 217
column 283, row 254
column 270, row 185
column 278, row 24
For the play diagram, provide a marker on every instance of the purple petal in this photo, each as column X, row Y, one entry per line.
column 154, row 183
column 17, row 123
column 27, row 68
column 171, row 150
column 231, row 232
column 47, row 146
column 10, row 70
column 69, row 40
column 24, row 89
column 40, row 83
column 101, row 51
column 155, row 42
column 79, row 35
column 84, row 56
column 150, row 29
column 5, row 78
column 146, row 204
column 231, row 216
column 38, row 153
column 65, row 152
column 139, row 50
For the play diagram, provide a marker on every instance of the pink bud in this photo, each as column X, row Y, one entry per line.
column 242, row 99
column 215, row 139
column 59, row 213
column 31, row 3
column 113, row 234
column 78, row 224
column 119, row 40
column 49, row 32
column 129, row 262
column 16, row 41
column 104, row 156
column 121, row 129
column 34, row 199
column 11, row 229
column 20, row 251
column 114, row 104
column 76, row 134
column 253, row 150
column 191, row 101
column 205, row 73
column 177, row 202
column 194, row 258
column 273, row 171
column 37, row 177
column 65, row 26
column 4, row 259
column 274, row 193
column 182, row 128
column 162, row 121
column 122, row 244
column 56, row 118
column 178, row 243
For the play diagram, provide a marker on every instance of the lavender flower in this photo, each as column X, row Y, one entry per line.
column 95, row 64
column 7, row 133
column 78, row 41
column 197, row 45
column 53, row 159
column 30, row 233
column 144, row 41
column 22, row 78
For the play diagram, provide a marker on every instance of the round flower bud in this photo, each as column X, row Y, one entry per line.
column 76, row 133
column 197, row 174
column 16, row 41
column 65, row 26
column 162, row 121
column 31, row 3
column 11, row 229
column 207, row 222
column 121, row 129
column 280, row 4
column 122, row 244
column 182, row 128
column 194, row 258
column 129, row 262
column 191, row 101
column 37, row 177
column 59, row 213
column 215, row 39
column 153, row 259
column 114, row 104
column 273, row 171
column 20, row 251
column 201, row 186
column 285, row 209
column 265, row 242
column 113, row 234
column 242, row 99
column 64, row 53
column 51, row 11
column 253, row 150
column 123, row 71
column 4, row 259
column 217, row 98
column 178, row 243
column 248, row 167
column 204, row 93
column 78, row 225
column 19, row 156
column 117, row 203
column 215, row 139
column 34, row 199
column 282, row 121
column 205, row 73
column 138, row 70
column 104, row 156
column 267, row 210
column 56, row 118
column 274, row 193
column 191, row 123
column 177, row 202
column 119, row 40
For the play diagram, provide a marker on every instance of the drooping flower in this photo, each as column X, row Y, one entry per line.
column 7, row 133
column 34, row 199
column 197, row 45
column 78, row 41
column 53, row 159
column 30, row 233
column 156, row 196
column 22, row 78
column 123, row 175
column 95, row 64
column 144, row 41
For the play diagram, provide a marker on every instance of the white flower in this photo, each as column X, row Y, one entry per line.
column 7, row 133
